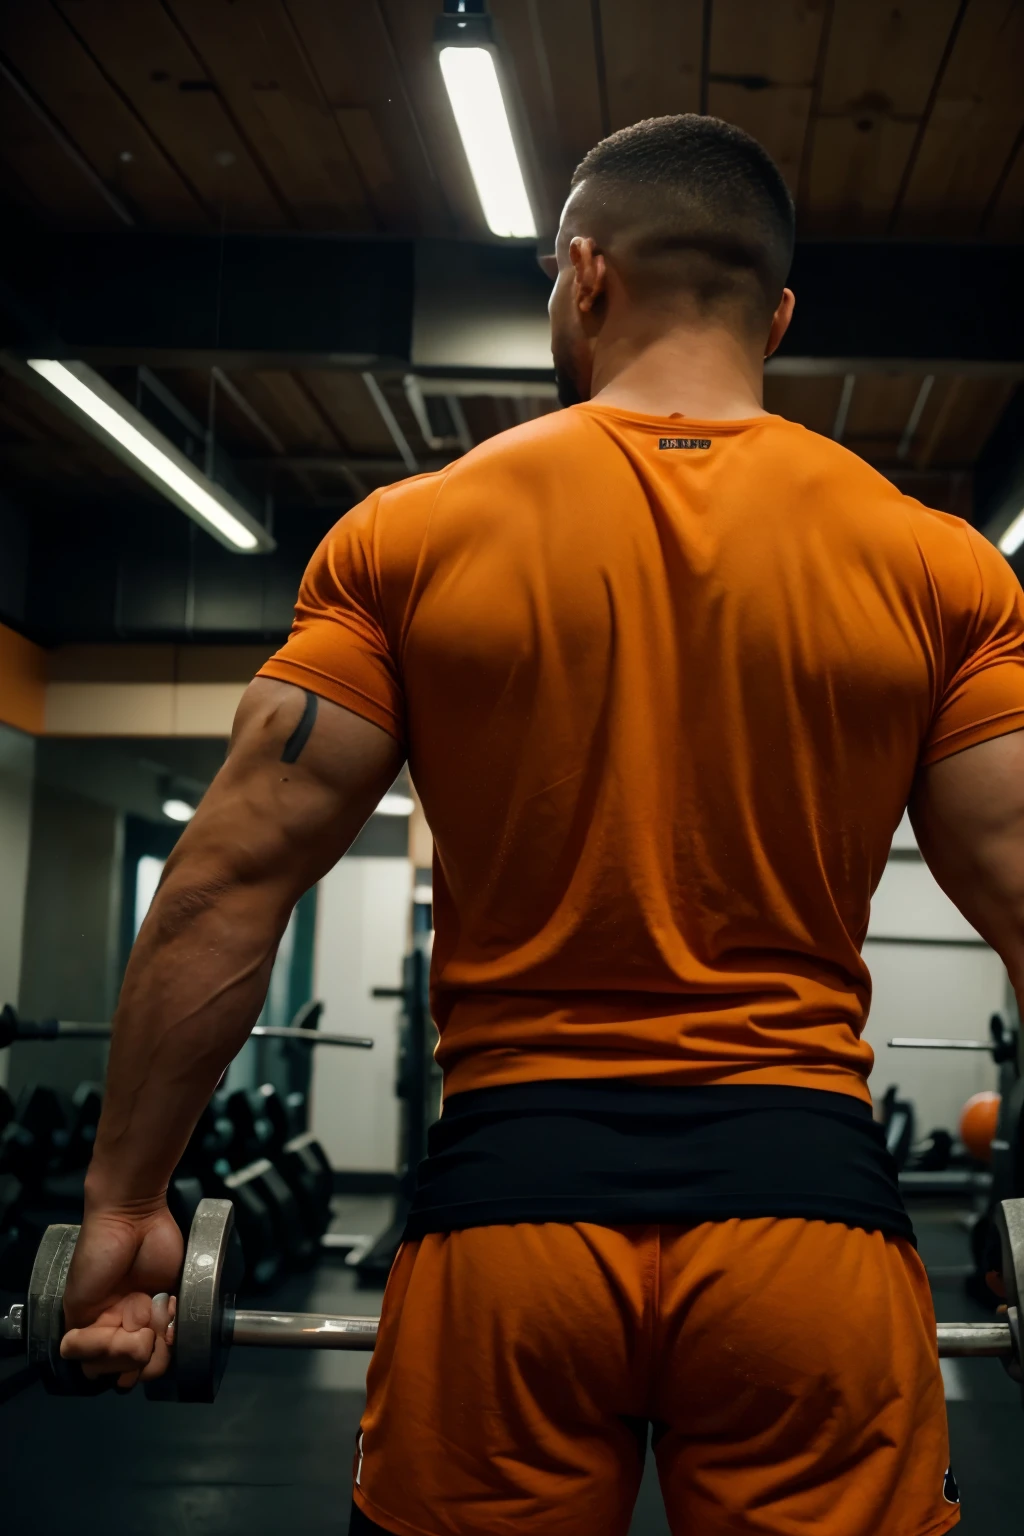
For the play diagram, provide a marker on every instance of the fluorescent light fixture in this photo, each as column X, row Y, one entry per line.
column 147, row 450
column 394, row 805
column 479, row 107
column 1013, row 538
column 178, row 810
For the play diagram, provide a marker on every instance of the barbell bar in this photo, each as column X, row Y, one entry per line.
column 207, row 1322
column 15, row 1030
column 924, row 1043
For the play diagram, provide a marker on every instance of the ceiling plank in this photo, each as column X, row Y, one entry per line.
column 563, row 45
column 354, row 58
column 761, row 77
column 812, row 402
column 383, row 188
column 878, row 74
column 975, row 120
column 652, row 55
column 285, row 406
column 233, row 430
column 346, row 401
column 259, row 65
column 978, row 406
column 62, row 73
column 144, row 53
column 879, row 410
column 1004, row 219
column 52, row 182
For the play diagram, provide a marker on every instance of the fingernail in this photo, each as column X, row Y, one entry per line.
column 161, row 1298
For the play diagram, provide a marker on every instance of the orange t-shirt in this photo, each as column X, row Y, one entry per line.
column 664, row 697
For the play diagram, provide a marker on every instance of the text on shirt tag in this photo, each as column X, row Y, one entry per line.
column 684, row 442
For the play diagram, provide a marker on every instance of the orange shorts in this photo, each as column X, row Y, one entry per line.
column 788, row 1367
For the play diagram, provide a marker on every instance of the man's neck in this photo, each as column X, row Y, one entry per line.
column 704, row 372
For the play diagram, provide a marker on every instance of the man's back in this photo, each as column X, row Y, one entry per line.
column 665, row 686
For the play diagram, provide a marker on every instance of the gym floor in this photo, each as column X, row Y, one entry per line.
column 273, row 1454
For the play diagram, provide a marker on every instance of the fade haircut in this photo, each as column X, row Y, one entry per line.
column 696, row 206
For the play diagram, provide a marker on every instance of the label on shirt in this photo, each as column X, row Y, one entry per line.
column 684, row 442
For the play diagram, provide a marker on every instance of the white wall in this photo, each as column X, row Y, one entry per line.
column 362, row 932
column 942, row 989
column 17, row 759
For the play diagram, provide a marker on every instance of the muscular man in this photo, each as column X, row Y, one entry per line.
column 667, row 670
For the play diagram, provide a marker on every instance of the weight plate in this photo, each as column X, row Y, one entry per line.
column 1010, row 1221
column 206, row 1299
column 45, row 1317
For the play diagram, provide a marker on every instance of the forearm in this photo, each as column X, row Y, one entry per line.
column 194, row 987
column 270, row 826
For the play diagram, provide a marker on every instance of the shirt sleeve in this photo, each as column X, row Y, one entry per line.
column 984, row 689
column 338, row 646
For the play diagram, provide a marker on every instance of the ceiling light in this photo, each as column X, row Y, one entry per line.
column 1013, row 538
column 482, row 120
column 178, row 810
column 147, row 450
column 395, row 805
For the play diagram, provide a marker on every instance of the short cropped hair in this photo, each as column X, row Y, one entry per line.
column 699, row 187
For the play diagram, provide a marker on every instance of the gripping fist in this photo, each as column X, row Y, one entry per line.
column 117, row 1305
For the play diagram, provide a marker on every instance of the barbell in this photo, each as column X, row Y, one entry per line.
column 208, row 1324
column 15, row 1030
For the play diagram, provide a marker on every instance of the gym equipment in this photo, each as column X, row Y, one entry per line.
column 262, row 1131
column 898, row 1124
column 1007, row 1146
column 418, row 1089
column 207, row 1322
column 297, row 1248
column 14, row 1030
column 305, row 1165
column 977, row 1126
column 30, row 1142
column 206, row 1165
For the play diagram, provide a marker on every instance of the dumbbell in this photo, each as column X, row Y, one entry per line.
column 28, row 1146
column 262, row 1130
column 207, row 1322
column 206, row 1160
column 31, row 1140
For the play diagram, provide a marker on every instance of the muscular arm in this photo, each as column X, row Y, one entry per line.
column 968, row 814
column 279, row 814
column 264, row 833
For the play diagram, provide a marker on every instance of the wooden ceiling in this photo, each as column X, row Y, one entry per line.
column 315, row 438
column 886, row 118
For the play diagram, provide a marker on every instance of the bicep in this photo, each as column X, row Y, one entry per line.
column 967, row 811
column 299, row 781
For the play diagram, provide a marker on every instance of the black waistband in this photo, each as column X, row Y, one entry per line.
column 611, row 1152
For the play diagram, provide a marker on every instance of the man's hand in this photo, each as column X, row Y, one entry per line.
column 117, row 1304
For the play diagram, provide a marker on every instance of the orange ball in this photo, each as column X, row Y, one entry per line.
column 978, row 1124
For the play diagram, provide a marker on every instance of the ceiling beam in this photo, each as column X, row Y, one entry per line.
column 445, row 308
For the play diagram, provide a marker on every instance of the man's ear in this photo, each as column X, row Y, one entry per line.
column 590, row 269
column 780, row 322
